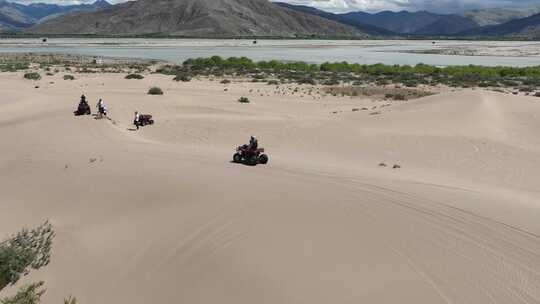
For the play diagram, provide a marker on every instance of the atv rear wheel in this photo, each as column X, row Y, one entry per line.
column 263, row 159
column 237, row 158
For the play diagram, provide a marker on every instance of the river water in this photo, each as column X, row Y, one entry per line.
column 489, row 53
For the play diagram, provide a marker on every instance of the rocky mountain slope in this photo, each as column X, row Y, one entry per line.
column 525, row 28
column 16, row 16
column 209, row 18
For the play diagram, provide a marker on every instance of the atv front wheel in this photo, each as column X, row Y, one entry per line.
column 237, row 158
column 263, row 159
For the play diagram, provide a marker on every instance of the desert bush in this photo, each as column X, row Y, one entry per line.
column 134, row 76
column 526, row 89
column 70, row 300
column 225, row 81
column 69, row 77
column 244, row 100
column 155, row 91
column 182, row 77
column 32, row 76
column 399, row 97
column 307, row 80
column 330, row 82
column 29, row 294
column 273, row 82
column 13, row 67
column 28, row 249
column 537, row 94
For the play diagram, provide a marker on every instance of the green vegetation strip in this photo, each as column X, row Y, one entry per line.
column 334, row 73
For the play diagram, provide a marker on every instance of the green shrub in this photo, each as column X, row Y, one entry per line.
column 28, row 249
column 182, row 77
column 155, row 91
column 273, row 82
column 244, row 100
column 69, row 77
column 331, row 82
column 29, row 294
column 399, row 97
column 32, row 76
column 70, row 300
column 134, row 76
column 307, row 80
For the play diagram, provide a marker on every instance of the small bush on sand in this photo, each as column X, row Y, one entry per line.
column 537, row 94
column 32, row 76
column 155, row 91
column 225, row 81
column 182, row 77
column 29, row 294
column 244, row 100
column 273, row 82
column 399, row 97
column 70, row 300
column 28, row 249
column 69, row 77
column 134, row 76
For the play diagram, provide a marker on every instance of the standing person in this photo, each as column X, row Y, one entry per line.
column 136, row 120
column 101, row 108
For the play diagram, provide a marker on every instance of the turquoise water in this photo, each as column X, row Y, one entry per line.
column 367, row 52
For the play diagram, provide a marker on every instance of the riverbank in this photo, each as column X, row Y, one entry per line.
column 498, row 53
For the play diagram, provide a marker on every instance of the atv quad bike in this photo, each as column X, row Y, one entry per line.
column 249, row 156
column 83, row 109
column 145, row 119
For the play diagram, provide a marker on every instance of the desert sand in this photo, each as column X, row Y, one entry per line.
column 161, row 215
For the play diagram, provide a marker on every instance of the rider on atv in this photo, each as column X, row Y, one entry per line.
column 253, row 143
column 250, row 154
column 83, row 101
column 83, row 108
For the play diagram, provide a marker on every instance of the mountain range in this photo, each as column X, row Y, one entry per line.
column 200, row 18
column 15, row 16
column 423, row 23
column 252, row 18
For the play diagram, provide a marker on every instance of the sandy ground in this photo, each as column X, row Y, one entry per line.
column 161, row 215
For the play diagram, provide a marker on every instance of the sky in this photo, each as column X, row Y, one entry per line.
column 440, row 6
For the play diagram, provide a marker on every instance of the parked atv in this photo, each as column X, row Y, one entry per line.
column 83, row 109
column 249, row 156
column 145, row 119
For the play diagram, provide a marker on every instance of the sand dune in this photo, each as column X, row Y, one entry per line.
column 161, row 215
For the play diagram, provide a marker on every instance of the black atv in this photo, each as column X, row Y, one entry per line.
column 83, row 109
column 249, row 156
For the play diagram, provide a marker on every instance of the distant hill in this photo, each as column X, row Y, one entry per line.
column 365, row 27
column 526, row 27
column 496, row 16
column 403, row 22
column 15, row 16
column 415, row 23
column 447, row 25
column 208, row 18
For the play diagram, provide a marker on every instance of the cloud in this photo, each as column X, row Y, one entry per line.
column 441, row 6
